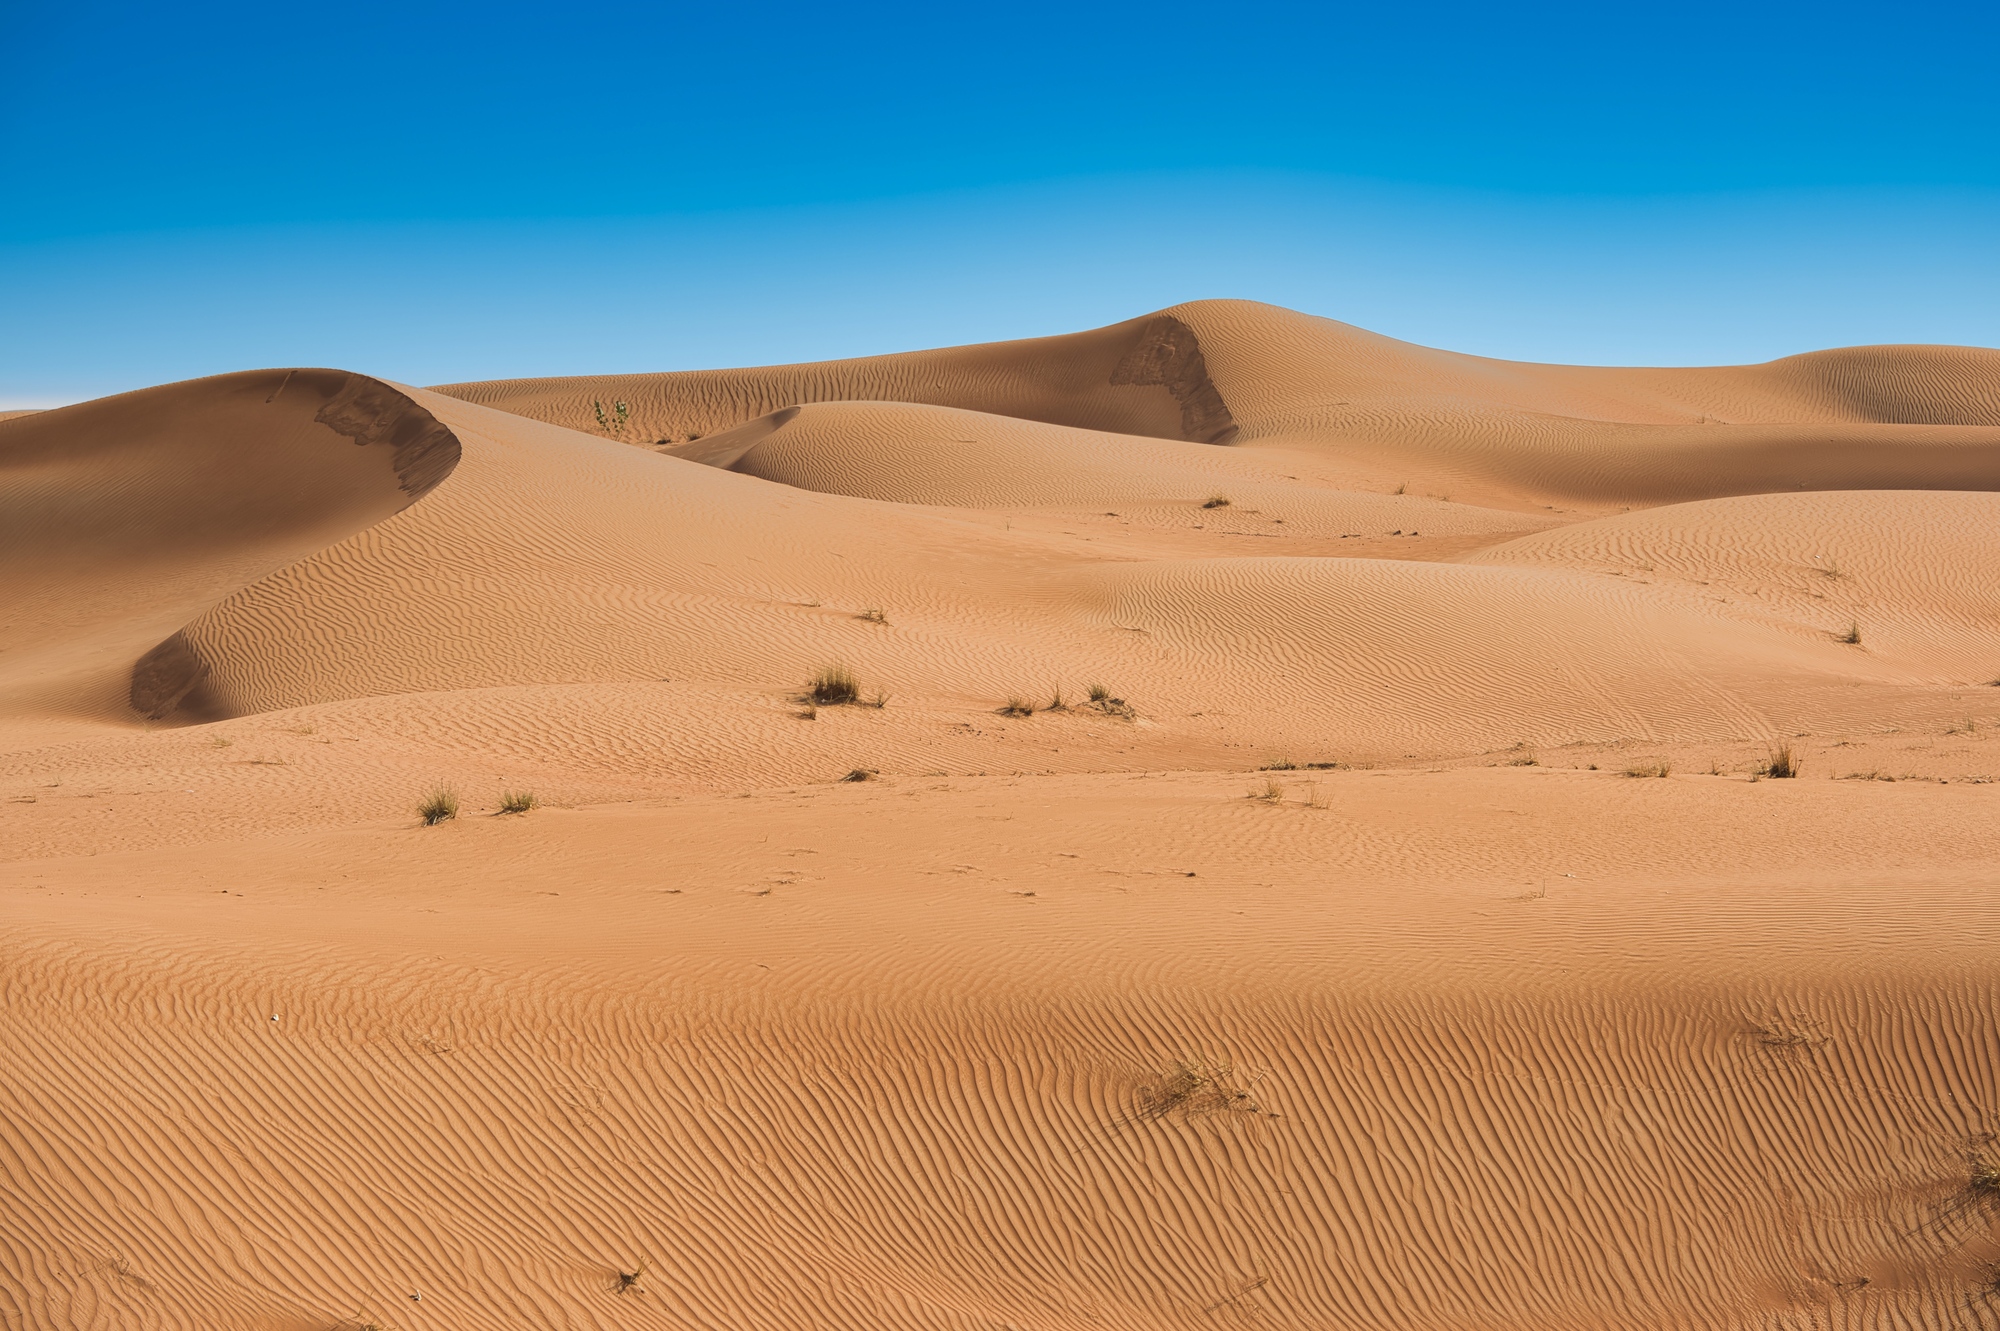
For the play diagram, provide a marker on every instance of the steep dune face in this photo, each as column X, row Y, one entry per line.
column 122, row 519
column 1517, row 433
column 1870, row 418
column 1273, row 363
column 1146, row 376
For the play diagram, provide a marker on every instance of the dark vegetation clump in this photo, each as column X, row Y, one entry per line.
column 833, row 686
column 440, row 806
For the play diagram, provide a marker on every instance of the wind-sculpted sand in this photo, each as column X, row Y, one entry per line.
column 1309, row 843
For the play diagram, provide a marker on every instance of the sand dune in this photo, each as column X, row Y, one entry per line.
column 1311, row 846
column 125, row 518
column 1494, row 431
column 1147, row 377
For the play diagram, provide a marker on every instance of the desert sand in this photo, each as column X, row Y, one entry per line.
column 1325, row 833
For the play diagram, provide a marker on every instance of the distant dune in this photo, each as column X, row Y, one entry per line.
column 1310, row 843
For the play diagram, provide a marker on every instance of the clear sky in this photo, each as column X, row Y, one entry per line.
column 444, row 191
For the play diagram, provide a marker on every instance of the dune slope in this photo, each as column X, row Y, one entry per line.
column 122, row 519
column 1222, row 820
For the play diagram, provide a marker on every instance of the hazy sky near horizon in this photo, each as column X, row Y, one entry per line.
column 443, row 191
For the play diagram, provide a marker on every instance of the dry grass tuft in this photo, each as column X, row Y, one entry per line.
column 1853, row 635
column 1016, row 705
column 873, row 614
column 440, row 806
column 1660, row 768
column 518, row 801
column 1281, row 765
column 1783, row 765
column 861, row 774
column 1270, row 792
column 1193, row 1088
column 833, row 686
column 1216, row 501
column 1102, row 700
column 1788, row 1034
column 1056, row 702
column 628, row 1281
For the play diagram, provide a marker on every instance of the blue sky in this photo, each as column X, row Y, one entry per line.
column 436, row 192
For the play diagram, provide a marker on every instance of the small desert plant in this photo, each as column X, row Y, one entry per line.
column 1403, row 488
column 1786, row 1034
column 1270, row 792
column 1853, row 635
column 440, row 806
column 1783, row 764
column 614, row 422
column 1281, row 765
column 1016, row 705
column 861, row 774
column 832, row 686
column 1193, row 1087
column 629, row 1280
column 518, row 801
column 810, row 713
column 1660, row 768
column 221, row 743
column 1216, row 501
column 1056, row 701
column 1101, row 698
column 873, row 614
column 1524, row 760
column 879, row 701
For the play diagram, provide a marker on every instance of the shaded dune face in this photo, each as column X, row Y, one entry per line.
column 1237, row 372
column 1147, row 377
column 122, row 519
